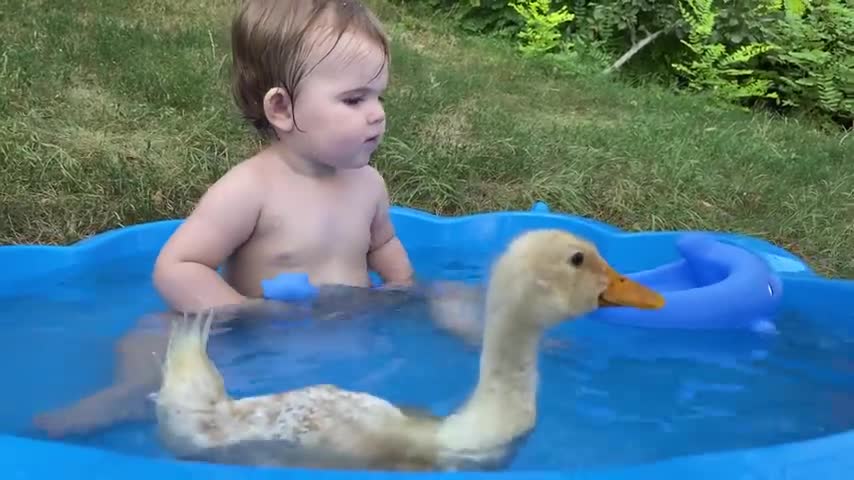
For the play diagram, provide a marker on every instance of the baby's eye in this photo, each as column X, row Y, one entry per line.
column 353, row 101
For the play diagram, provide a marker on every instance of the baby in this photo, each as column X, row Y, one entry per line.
column 310, row 75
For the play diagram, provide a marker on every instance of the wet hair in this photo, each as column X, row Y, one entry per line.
column 272, row 40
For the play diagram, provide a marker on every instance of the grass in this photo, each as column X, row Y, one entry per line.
column 118, row 112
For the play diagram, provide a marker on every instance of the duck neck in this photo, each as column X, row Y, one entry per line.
column 508, row 381
column 508, row 362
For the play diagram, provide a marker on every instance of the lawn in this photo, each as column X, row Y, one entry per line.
column 118, row 112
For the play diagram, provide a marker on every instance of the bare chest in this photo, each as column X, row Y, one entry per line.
column 305, row 225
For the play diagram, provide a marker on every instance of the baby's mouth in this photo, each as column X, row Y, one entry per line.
column 372, row 139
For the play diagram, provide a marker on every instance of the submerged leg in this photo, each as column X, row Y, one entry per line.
column 137, row 374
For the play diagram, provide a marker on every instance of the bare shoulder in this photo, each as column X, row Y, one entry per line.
column 249, row 174
column 242, row 187
column 372, row 173
column 374, row 182
column 223, row 218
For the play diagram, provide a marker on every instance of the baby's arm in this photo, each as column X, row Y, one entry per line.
column 185, row 273
column 387, row 255
column 455, row 307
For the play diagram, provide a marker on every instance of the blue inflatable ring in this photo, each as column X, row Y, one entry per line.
column 714, row 286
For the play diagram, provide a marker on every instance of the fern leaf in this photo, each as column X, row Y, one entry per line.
column 745, row 53
column 796, row 8
column 830, row 97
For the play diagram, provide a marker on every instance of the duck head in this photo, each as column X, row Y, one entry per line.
column 549, row 276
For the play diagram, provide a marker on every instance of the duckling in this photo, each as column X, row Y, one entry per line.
column 543, row 278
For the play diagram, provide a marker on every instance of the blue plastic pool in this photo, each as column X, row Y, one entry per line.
column 59, row 283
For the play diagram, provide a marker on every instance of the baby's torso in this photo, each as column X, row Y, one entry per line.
column 320, row 229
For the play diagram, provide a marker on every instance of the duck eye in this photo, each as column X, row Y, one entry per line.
column 576, row 259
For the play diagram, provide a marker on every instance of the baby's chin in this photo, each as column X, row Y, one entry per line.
column 357, row 161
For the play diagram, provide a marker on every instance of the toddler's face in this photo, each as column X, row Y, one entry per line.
column 338, row 106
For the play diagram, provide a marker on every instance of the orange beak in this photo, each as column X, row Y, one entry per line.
column 625, row 292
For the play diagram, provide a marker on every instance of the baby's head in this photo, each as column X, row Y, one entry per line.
column 311, row 73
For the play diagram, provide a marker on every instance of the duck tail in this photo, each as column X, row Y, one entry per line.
column 191, row 382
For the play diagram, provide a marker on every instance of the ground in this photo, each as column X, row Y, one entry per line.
column 119, row 112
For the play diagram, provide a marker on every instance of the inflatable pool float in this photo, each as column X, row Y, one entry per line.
column 685, row 264
column 714, row 285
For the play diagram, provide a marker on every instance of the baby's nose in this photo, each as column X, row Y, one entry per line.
column 376, row 115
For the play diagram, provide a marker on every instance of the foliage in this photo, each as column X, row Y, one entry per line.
column 621, row 23
column 540, row 34
column 482, row 15
column 712, row 68
column 815, row 69
column 797, row 54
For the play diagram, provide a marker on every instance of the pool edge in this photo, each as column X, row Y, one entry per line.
column 827, row 458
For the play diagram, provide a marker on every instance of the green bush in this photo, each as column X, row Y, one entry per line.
column 540, row 34
column 789, row 54
column 483, row 16
column 712, row 67
column 812, row 67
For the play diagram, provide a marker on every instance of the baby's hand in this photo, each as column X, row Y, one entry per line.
column 289, row 287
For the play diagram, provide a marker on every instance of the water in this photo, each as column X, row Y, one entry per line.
column 610, row 395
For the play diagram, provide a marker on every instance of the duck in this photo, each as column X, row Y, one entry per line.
column 542, row 278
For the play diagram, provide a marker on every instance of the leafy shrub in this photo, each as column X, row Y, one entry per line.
column 540, row 33
column 813, row 65
column 482, row 16
column 712, row 68
column 796, row 54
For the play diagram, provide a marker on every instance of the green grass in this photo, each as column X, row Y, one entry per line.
column 116, row 113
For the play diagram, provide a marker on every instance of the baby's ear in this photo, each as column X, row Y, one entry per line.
column 279, row 109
